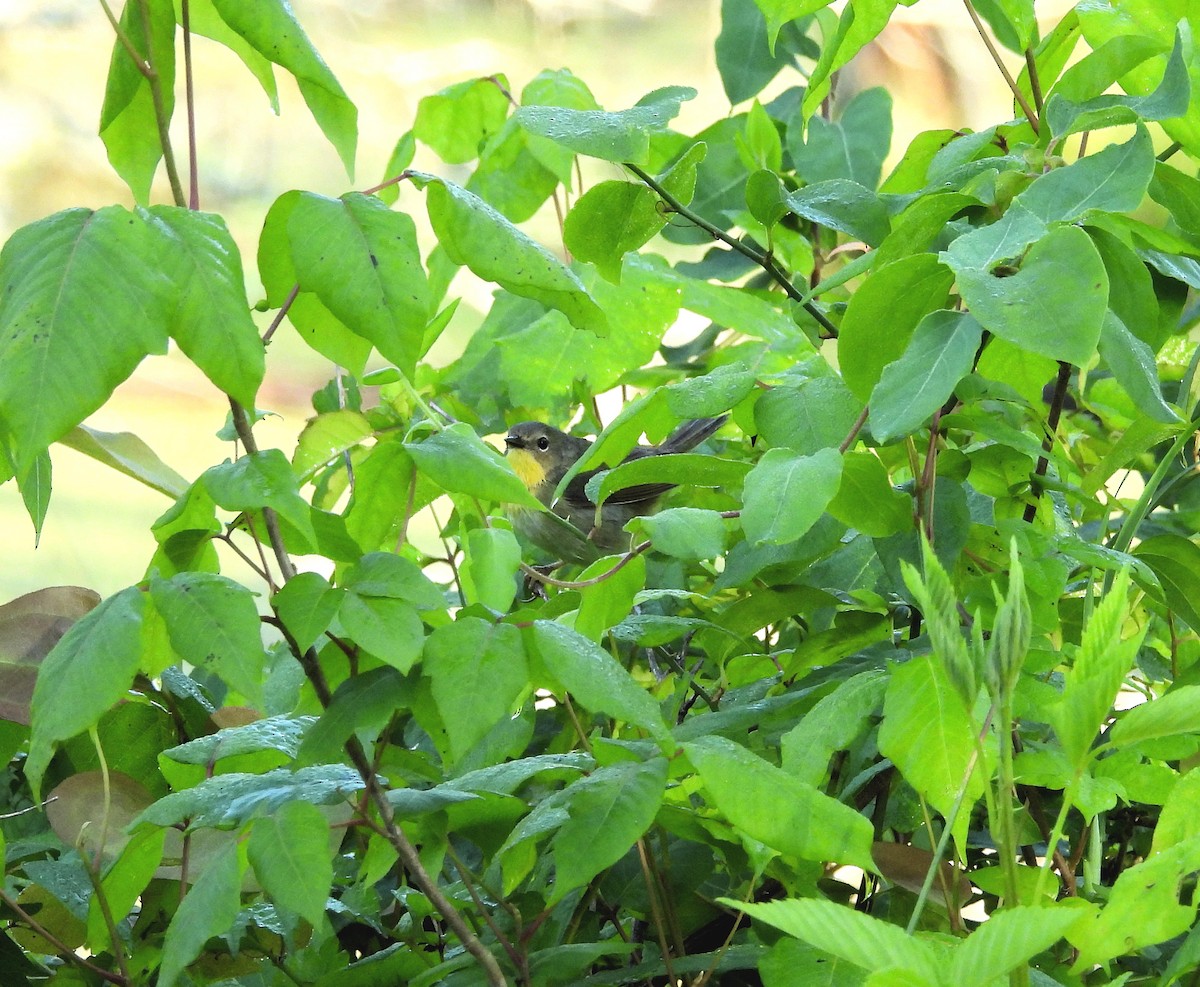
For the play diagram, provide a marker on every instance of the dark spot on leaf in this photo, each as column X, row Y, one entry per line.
column 374, row 261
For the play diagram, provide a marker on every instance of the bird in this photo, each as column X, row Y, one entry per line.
column 541, row 455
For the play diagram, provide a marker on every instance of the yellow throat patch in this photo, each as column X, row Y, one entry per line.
column 528, row 468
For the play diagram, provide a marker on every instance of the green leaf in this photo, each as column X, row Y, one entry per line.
column 609, row 811
column 1100, row 666
column 766, row 197
column 1175, row 561
column 458, row 460
column 290, row 855
column 831, row 725
column 610, row 219
column 842, row 204
column 852, row 147
column 457, row 120
column 210, row 318
column 127, row 454
column 213, row 622
column 787, row 493
column 1143, row 907
column 809, row 416
column 387, row 574
column 316, row 324
column 227, row 801
column 1114, row 179
column 772, row 806
column 1060, row 282
column 326, row 437
column 272, row 30
column 928, row 733
column 1132, row 363
column 210, row 907
column 477, row 671
column 258, row 480
column 87, row 672
column 699, row 471
column 1079, row 100
column 361, row 261
column 274, row 733
column 128, row 119
column 388, row 628
column 364, row 703
column 687, row 532
column 1010, row 938
column 1170, row 715
column 747, row 57
column 124, row 881
column 940, row 354
column 620, row 136
column 82, row 302
column 866, row 499
column 883, row 314
column 475, row 234
column 608, row 602
column 859, row 25
column 595, row 679
column 489, row 568
column 867, row 942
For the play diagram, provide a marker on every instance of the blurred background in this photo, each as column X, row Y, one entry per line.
column 387, row 54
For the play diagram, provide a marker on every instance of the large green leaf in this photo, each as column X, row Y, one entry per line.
column 774, row 807
column 272, row 30
column 210, row 316
column 595, row 679
column 940, row 353
column 786, row 493
column 477, row 671
column 927, row 732
column 1051, row 300
column 361, row 261
column 883, row 314
column 89, row 670
column 476, row 235
column 458, row 460
column 83, row 300
column 609, row 811
column 128, row 119
column 457, row 120
column 867, row 942
column 213, row 622
column 210, row 907
column 290, row 854
column 620, row 136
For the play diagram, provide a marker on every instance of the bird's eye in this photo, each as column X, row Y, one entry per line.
column 543, row 443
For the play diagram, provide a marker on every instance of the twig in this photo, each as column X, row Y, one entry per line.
column 763, row 260
column 1030, row 115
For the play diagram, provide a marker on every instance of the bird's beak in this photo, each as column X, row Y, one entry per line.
column 513, row 442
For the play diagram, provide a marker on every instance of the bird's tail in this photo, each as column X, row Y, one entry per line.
column 691, row 434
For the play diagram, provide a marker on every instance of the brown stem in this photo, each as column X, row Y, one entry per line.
column 190, row 91
column 63, row 950
column 1030, row 115
column 160, row 108
column 1043, row 463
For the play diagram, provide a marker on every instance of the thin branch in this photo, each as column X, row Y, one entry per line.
column 1028, row 110
column 160, row 108
column 190, row 91
column 625, row 559
column 763, row 260
column 62, row 949
column 1035, row 83
column 1043, row 463
column 283, row 310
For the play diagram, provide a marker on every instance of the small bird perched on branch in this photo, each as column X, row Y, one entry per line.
column 541, row 455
